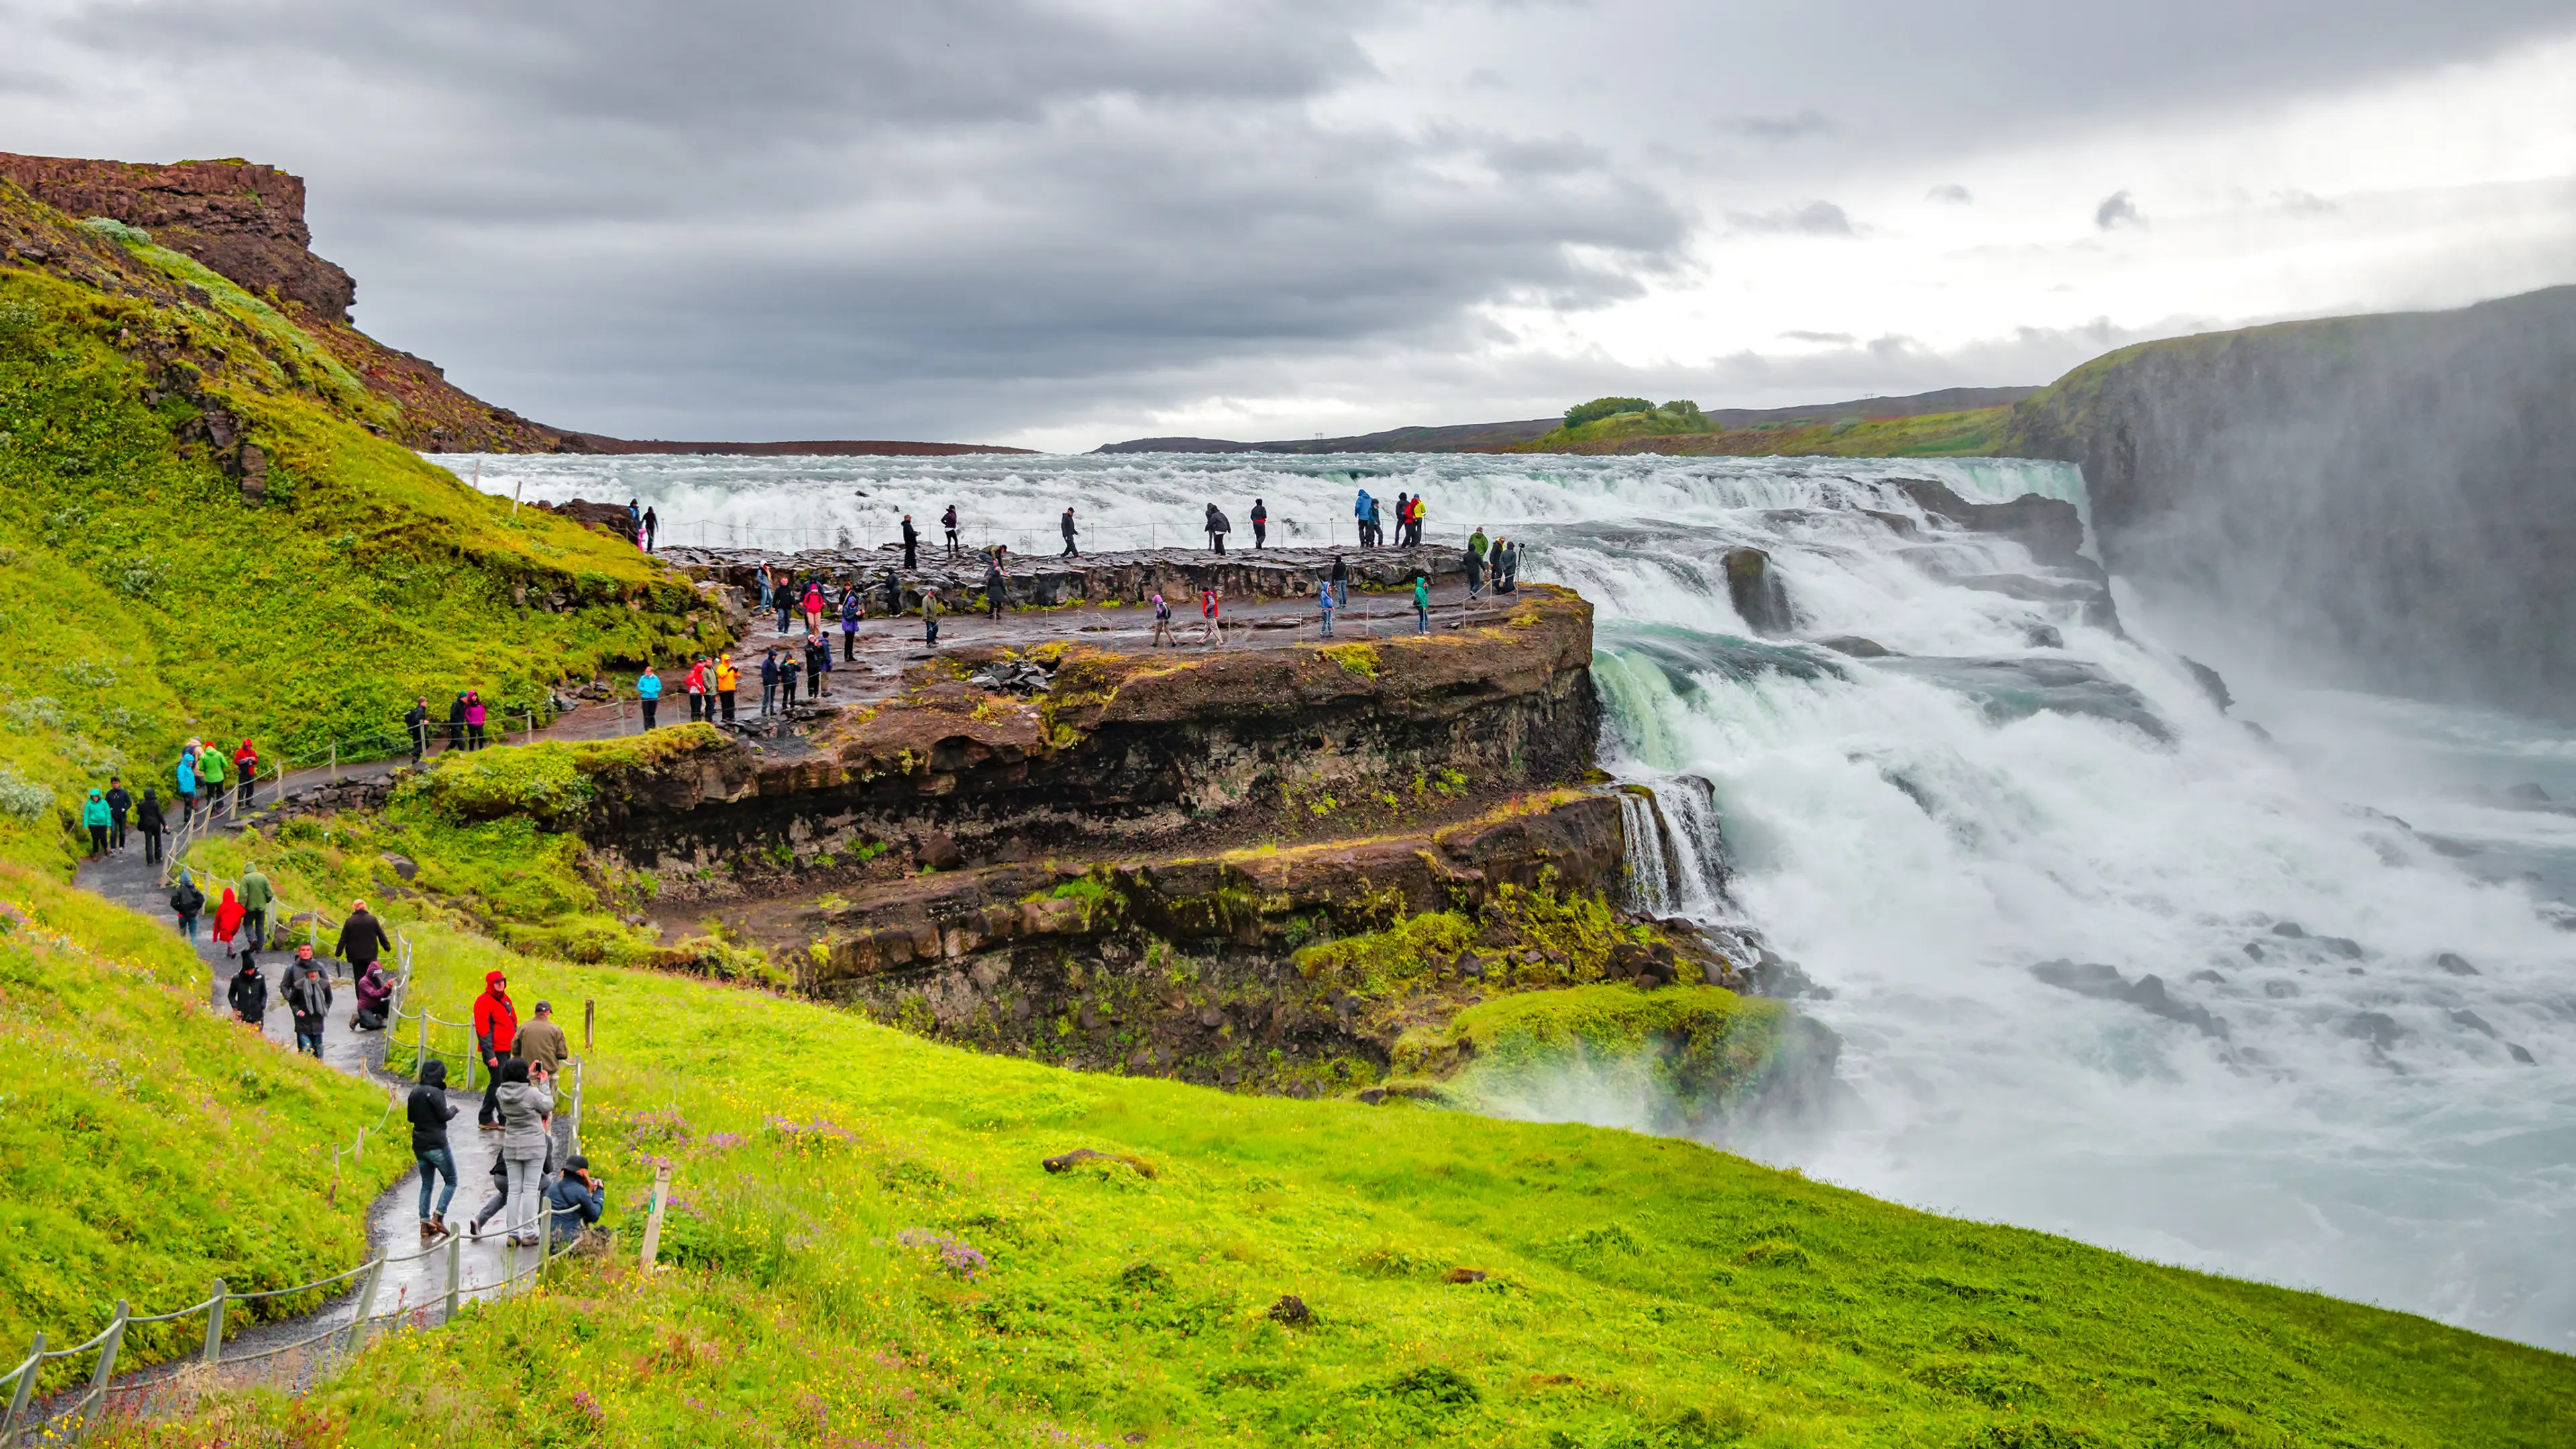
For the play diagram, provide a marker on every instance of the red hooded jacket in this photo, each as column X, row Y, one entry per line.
column 496, row 1021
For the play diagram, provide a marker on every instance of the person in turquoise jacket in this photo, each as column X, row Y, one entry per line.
column 1421, row 604
column 94, row 815
column 648, row 690
column 187, row 783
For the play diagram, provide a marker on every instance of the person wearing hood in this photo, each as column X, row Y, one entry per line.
column 1421, row 604
column 186, row 901
column 120, row 803
column 416, row 727
column 695, row 682
column 911, row 544
column 948, row 521
column 788, row 669
column 362, row 936
column 727, row 680
column 456, row 723
column 1217, row 528
column 893, row 593
column 228, row 919
column 184, row 785
column 1377, row 525
column 308, row 995
column 474, row 717
column 769, row 681
column 526, row 1100
column 375, row 998
column 1475, row 562
column 496, row 1037
column 430, row 1112
column 997, row 587
column 94, row 819
column 852, row 608
column 1260, row 524
column 1360, row 509
column 210, row 778
column 1163, row 624
column 818, row 662
column 256, row 897
column 245, row 771
column 149, row 823
column 814, row 606
column 248, row 995
column 577, row 1198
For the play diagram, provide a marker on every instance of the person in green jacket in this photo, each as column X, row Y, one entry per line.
column 94, row 815
column 210, row 777
column 256, row 897
column 1421, row 604
column 1476, row 541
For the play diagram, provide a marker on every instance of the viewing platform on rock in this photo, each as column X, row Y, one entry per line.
column 1050, row 580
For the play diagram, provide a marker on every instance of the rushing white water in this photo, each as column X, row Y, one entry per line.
column 1918, row 832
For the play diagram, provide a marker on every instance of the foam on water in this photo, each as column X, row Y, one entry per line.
column 1918, row 838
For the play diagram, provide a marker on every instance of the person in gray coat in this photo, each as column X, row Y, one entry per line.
column 527, row 1102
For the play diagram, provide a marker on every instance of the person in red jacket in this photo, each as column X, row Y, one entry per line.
column 696, row 683
column 496, row 1038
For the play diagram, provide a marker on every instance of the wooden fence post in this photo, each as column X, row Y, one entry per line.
column 589, row 1019
column 366, row 1305
column 215, row 1326
column 653, row 1222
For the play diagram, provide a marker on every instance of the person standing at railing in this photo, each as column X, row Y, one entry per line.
column 256, row 897
column 416, row 726
column 648, row 693
column 248, row 995
column 526, row 1100
column 119, row 802
column 1360, row 507
column 496, row 1035
column 728, row 679
column 245, row 771
column 1217, row 528
column 911, row 544
column 149, row 824
column 430, row 1112
column 474, row 717
column 362, row 937
column 308, row 996
column 210, row 776
column 1260, row 524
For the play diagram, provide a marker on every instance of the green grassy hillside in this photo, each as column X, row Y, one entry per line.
column 147, row 600
column 867, row 1249
column 1978, row 432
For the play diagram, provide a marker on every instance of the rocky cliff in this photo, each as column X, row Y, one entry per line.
column 2385, row 498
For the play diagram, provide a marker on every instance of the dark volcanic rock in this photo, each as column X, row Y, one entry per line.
column 2455, row 963
column 2375, row 1027
column 244, row 221
column 2210, row 684
column 1856, row 647
column 2147, row 993
column 1759, row 596
column 2473, row 1022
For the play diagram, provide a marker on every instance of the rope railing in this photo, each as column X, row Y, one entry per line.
column 1092, row 537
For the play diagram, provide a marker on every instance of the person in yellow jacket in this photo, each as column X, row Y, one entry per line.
column 727, row 679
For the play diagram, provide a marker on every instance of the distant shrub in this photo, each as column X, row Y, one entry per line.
column 1684, row 409
column 1603, row 407
column 108, row 226
column 22, row 798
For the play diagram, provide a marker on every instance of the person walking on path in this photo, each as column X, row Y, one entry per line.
column 786, row 600
column 184, row 785
column 818, row 662
column 149, row 824
column 997, row 586
column 696, row 684
column 577, row 1199
column 1260, row 524
column 474, row 717
column 456, row 723
column 210, row 778
column 648, row 693
column 375, row 998
column 416, row 726
column 256, row 897
column 430, row 1112
column 1340, row 582
column 1217, row 528
column 228, row 918
column 245, row 771
column 893, row 593
column 769, row 681
column 120, row 802
column 525, row 1099
column 814, row 607
column 543, row 1044
column 496, row 1035
column 931, row 609
column 728, row 679
column 1211, row 628
column 1069, row 533
column 362, row 936
column 1421, row 604
column 94, row 819
column 852, row 607
column 308, row 996
column 911, row 544
column 247, row 995
column 1163, row 625
column 1324, row 596
column 652, row 530
column 948, row 521
column 186, row 901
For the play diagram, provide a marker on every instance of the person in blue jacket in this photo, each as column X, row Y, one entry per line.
column 577, row 1198
column 648, row 688
column 94, row 817
column 1360, row 513
column 851, row 608
column 187, row 788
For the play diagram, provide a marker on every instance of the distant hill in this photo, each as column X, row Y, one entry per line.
column 1497, row 437
column 822, row 448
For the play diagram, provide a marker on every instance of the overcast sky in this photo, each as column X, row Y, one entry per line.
column 1059, row 224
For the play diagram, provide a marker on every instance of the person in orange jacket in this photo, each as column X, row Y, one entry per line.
column 496, row 1040
column 728, row 678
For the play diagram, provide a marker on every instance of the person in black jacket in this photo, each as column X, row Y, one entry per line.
column 185, row 902
column 308, row 995
column 948, row 521
column 248, row 994
column 416, row 725
column 149, row 824
column 997, row 584
column 119, row 802
column 430, row 1112
column 1066, row 525
column 1217, row 528
column 769, row 681
column 1260, row 523
column 1340, row 583
column 362, row 937
column 911, row 544
column 456, row 724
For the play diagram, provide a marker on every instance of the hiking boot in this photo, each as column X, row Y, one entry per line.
column 438, row 1227
column 428, row 1234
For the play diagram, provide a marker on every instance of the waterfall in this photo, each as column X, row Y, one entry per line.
column 1649, row 845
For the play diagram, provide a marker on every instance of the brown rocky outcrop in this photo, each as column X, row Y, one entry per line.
column 242, row 220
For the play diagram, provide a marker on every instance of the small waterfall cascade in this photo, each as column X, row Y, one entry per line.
column 1650, row 852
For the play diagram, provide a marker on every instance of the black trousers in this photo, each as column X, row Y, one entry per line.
column 116, row 831
column 152, row 847
column 725, row 696
column 1217, row 541
column 1260, row 534
column 649, row 706
column 491, row 1108
column 849, row 645
column 697, row 707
